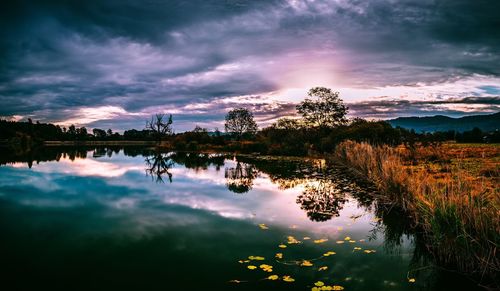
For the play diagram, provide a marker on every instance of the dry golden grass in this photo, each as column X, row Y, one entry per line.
column 450, row 190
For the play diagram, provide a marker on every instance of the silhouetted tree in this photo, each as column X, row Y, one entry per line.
column 159, row 126
column 72, row 130
column 287, row 124
column 327, row 111
column 240, row 121
column 99, row 133
column 82, row 133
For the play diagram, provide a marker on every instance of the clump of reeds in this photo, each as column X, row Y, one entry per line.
column 458, row 212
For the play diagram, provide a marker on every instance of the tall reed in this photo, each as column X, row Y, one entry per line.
column 458, row 212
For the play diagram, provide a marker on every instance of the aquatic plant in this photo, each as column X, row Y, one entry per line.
column 457, row 211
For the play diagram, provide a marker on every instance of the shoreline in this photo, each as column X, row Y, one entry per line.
column 453, row 207
column 98, row 143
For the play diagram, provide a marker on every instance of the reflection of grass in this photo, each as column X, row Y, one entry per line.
column 451, row 192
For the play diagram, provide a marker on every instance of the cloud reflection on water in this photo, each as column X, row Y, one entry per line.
column 119, row 184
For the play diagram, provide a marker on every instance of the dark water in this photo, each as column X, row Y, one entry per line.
column 102, row 219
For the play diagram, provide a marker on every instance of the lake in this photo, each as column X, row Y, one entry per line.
column 135, row 219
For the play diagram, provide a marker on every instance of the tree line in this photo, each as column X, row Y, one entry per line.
column 322, row 124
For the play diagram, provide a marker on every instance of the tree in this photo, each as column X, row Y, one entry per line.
column 287, row 124
column 159, row 126
column 72, row 130
column 199, row 129
column 327, row 111
column 82, row 132
column 240, row 121
column 99, row 133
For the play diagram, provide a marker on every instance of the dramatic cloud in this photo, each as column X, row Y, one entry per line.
column 451, row 107
column 112, row 63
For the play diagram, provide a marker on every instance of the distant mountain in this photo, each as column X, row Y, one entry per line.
column 489, row 122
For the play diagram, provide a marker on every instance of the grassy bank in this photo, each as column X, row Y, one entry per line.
column 450, row 192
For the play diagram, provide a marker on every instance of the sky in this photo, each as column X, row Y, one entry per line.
column 114, row 63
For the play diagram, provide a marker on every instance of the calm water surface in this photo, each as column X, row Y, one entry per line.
column 136, row 220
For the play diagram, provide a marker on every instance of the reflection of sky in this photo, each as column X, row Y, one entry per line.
column 108, row 205
column 120, row 184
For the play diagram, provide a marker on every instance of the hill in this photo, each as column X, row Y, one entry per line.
column 490, row 122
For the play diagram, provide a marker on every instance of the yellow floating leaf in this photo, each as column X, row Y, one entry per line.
column 256, row 258
column 266, row 268
column 243, row 261
column 306, row 238
column 337, row 287
column 411, row 280
column 263, row 226
column 251, row 267
column 235, row 281
column 347, row 238
column 319, row 284
column 292, row 240
column 352, row 241
column 306, row 263
column 282, row 246
column 288, row 279
column 320, row 241
column 326, row 288
column 357, row 248
column 340, row 241
column 315, row 289
column 279, row 256
column 323, row 268
column 273, row 277
column 329, row 253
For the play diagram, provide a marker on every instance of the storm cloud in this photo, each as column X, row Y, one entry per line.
column 112, row 63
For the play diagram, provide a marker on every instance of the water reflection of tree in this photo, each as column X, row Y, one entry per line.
column 321, row 199
column 288, row 172
column 289, row 183
column 157, row 165
column 42, row 154
column 239, row 179
column 198, row 161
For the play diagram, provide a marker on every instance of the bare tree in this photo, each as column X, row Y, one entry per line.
column 159, row 126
